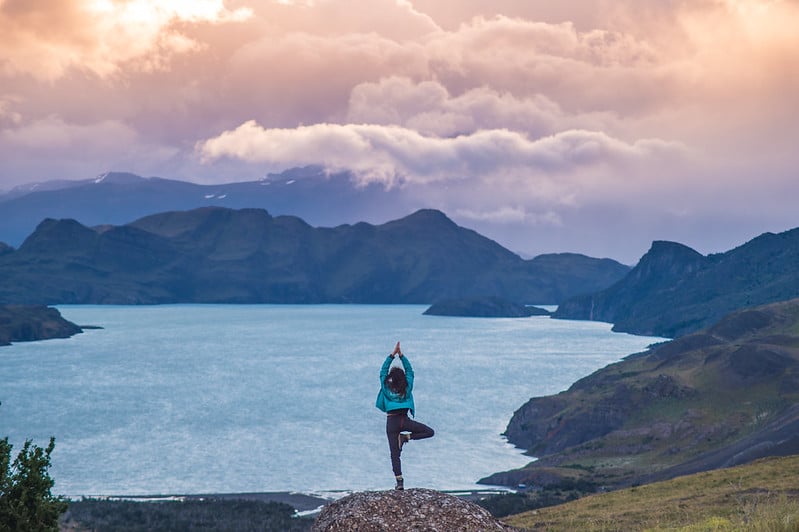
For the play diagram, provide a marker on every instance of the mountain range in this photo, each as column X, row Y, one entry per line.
column 674, row 290
column 221, row 255
column 117, row 198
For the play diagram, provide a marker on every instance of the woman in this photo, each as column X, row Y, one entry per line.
column 395, row 398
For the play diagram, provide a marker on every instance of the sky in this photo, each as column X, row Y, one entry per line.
column 589, row 126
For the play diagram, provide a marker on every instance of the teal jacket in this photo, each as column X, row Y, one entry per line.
column 388, row 400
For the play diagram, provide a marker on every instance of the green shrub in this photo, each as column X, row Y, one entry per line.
column 26, row 502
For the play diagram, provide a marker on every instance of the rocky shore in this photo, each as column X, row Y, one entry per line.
column 27, row 323
column 483, row 307
column 723, row 396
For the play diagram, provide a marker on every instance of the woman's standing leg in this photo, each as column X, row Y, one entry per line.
column 394, row 425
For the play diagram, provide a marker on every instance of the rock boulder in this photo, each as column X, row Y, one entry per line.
column 412, row 509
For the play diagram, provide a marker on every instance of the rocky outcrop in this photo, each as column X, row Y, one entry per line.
column 26, row 323
column 725, row 395
column 413, row 509
column 483, row 307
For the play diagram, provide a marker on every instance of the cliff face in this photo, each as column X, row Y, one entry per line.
column 413, row 509
column 674, row 290
column 725, row 395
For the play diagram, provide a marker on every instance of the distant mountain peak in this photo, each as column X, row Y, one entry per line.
column 52, row 235
column 666, row 246
column 429, row 216
column 674, row 290
column 174, row 223
column 667, row 259
column 123, row 178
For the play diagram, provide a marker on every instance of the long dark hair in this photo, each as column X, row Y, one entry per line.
column 396, row 381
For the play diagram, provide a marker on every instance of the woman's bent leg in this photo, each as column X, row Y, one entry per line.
column 419, row 431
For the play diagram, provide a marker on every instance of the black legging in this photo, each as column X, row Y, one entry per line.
column 400, row 422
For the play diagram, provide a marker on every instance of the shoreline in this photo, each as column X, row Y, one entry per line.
column 303, row 503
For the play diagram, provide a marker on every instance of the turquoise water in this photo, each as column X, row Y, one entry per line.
column 238, row 398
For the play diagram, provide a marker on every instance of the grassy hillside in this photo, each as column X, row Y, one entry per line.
column 763, row 495
column 724, row 396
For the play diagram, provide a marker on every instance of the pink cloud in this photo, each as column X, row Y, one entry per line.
column 429, row 107
column 47, row 38
column 396, row 155
column 522, row 111
column 78, row 149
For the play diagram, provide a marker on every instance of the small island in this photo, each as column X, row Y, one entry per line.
column 483, row 307
column 27, row 323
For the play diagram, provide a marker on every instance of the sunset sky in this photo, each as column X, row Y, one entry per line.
column 580, row 125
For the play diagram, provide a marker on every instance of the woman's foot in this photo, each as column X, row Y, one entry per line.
column 403, row 439
column 400, row 484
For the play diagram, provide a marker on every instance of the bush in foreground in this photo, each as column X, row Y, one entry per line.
column 26, row 502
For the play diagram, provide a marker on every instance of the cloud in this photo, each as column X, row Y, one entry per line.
column 397, row 20
column 508, row 214
column 429, row 107
column 78, row 149
column 301, row 77
column 317, row 68
column 596, row 70
column 8, row 117
column 524, row 113
column 395, row 155
column 46, row 38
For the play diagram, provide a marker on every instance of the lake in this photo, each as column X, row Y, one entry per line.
column 244, row 398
